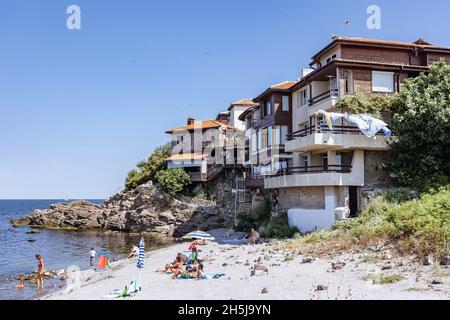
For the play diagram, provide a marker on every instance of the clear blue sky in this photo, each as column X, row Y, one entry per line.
column 79, row 108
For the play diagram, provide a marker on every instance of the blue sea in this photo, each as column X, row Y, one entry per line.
column 59, row 249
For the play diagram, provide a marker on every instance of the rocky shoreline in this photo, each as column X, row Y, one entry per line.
column 144, row 209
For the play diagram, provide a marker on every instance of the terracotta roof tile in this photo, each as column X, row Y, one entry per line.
column 283, row 85
column 186, row 156
column 205, row 124
column 419, row 43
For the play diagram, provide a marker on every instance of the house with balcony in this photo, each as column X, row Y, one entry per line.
column 331, row 168
column 267, row 123
column 204, row 148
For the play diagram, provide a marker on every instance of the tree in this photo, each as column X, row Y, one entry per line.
column 360, row 103
column 173, row 181
column 148, row 169
column 421, row 121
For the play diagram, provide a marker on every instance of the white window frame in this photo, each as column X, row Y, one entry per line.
column 383, row 87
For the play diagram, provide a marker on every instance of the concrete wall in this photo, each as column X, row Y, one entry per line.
column 235, row 112
column 308, row 220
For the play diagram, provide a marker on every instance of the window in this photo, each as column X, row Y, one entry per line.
column 382, row 81
column 269, row 136
column 284, row 133
column 334, row 56
column 304, row 162
column 268, row 108
column 276, row 135
column 285, row 103
column 259, row 140
column 254, row 142
column 304, row 98
column 348, row 82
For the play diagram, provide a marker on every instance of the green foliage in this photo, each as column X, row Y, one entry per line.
column 421, row 226
column 422, row 124
column 360, row 103
column 399, row 195
column 173, row 181
column 258, row 217
column 148, row 169
column 279, row 228
column 384, row 279
column 275, row 228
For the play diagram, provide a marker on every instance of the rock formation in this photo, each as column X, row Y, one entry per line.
column 144, row 209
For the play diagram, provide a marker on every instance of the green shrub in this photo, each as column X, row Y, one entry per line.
column 399, row 195
column 420, row 226
column 173, row 181
column 279, row 228
column 421, row 122
column 147, row 170
column 256, row 218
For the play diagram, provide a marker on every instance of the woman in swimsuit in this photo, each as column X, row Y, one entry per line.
column 40, row 272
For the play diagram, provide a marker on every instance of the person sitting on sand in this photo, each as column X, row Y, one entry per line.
column 40, row 272
column 181, row 258
column 21, row 284
column 172, row 267
column 254, row 236
column 134, row 252
column 199, row 272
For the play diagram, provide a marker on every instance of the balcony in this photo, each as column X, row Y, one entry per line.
column 315, row 138
column 323, row 101
column 325, row 175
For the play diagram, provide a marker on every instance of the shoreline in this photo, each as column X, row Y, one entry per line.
column 298, row 279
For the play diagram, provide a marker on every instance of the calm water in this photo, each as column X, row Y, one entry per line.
column 59, row 249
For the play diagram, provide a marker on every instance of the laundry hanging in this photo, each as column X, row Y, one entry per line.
column 366, row 123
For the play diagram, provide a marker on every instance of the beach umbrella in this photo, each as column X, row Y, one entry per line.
column 198, row 235
column 140, row 262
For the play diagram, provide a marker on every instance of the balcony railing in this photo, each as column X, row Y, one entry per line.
column 323, row 96
column 307, row 170
column 325, row 129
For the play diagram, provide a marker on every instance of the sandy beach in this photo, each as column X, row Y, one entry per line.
column 296, row 279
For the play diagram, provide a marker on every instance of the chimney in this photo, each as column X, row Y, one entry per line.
column 190, row 121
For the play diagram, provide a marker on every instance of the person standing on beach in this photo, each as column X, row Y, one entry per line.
column 40, row 272
column 92, row 255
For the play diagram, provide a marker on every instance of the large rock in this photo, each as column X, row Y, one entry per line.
column 144, row 209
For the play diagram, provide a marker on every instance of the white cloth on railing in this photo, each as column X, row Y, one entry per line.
column 366, row 123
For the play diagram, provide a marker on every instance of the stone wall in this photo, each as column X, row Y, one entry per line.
column 372, row 176
column 302, row 197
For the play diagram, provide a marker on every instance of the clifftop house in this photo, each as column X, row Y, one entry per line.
column 315, row 172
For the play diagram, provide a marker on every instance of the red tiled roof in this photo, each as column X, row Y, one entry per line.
column 417, row 44
column 205, row 124
column 283, row 85
column 186, row 156
column 242, row 103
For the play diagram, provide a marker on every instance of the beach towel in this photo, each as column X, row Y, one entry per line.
column 208, row 276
